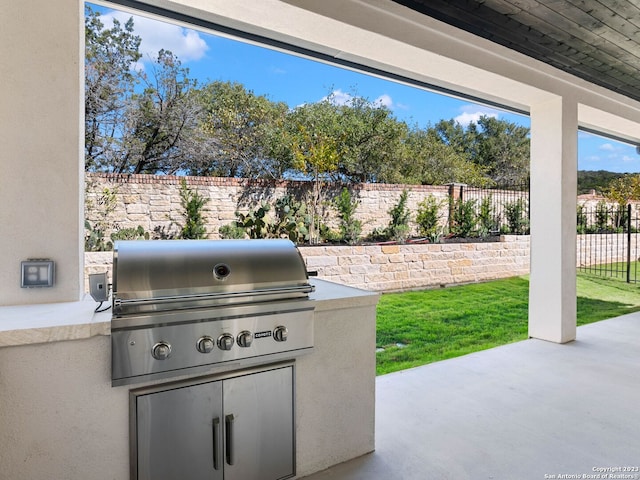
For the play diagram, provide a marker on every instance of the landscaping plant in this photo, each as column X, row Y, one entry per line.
column 130, row 233
column 350, row 228
column 398, row 228
column 516, row 216
column 602, row 217
column 104, row 204
column 581, row 220
column 428, row 218
column 193, row 207
column 488, row 221
column 292, row 220
column 464, row 218
column 255, row 223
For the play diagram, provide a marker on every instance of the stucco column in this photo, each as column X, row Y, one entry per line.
column 554, row 151
column 41, row 119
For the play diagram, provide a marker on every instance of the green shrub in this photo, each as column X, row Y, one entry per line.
column 581, row 220
column 398, row 228
column 131, row 233
column 516, row 216
column 193, row 205
column 428, row 218
column 231, row 230
column 488, row 220
column 378, row 235
column 464, row 218
column 350, row 228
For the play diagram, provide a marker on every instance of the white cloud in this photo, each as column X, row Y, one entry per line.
column 472, row 113
column 384, row 100
column 338, row 97
column 185, row 43
column 466, row 118
column 608, row 147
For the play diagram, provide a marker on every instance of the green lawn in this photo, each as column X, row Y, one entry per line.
column 416, row 328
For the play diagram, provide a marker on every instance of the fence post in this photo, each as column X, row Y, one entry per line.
column 628, row 222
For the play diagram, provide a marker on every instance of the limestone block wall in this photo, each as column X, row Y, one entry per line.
column 387, row 268
column 153, row 202
column 384, row 268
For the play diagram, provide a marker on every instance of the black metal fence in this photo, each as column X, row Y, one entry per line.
column 501, row 209
column 608, row 241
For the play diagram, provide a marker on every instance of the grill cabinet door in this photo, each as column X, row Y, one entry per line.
column 175, row 433
column 259, row 427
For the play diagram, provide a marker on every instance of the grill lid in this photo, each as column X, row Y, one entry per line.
column 160, row 275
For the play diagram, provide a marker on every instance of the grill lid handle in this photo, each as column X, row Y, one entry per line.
column 122, row 302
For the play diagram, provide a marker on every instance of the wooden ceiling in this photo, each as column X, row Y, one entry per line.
column 597, row 40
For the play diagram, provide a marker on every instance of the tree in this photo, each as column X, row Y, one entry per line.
column 238, row 121
column 109, row 84
column 463, row 141
column 500, row 148
column 431, row 162
column 503, row 148
column 163, row 120
column 595, row 180
column 367, row 139
column 623, row 189
column 371, row 141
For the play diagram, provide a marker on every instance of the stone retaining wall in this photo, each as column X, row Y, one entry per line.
column 385, row 268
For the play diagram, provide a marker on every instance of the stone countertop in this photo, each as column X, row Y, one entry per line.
column 56, row 322
column 52, row 322
column 331, row 296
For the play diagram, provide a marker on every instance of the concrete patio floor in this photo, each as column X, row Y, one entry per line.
column 517, row 412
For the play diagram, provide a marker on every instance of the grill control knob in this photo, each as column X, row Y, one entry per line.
column 161, row 351
column 225, row 341
column 205, row 344
column 245, row 338
column 280, row 334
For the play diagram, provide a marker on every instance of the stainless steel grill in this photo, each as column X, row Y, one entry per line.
column 184, row 306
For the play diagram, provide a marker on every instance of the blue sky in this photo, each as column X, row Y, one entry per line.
column 285, row 77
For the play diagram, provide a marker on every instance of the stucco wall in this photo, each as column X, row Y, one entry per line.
column 41, row 111
column 61, row 419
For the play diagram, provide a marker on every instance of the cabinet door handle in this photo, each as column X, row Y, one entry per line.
column 216, row 443
column 229, row 419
